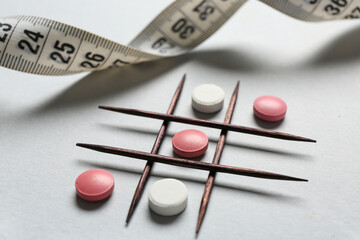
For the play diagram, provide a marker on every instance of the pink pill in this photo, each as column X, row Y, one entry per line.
column 190, row 143
column 94, row 185
column 270, row 108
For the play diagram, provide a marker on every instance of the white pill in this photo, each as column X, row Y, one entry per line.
column 168, row 197
column 208, row 98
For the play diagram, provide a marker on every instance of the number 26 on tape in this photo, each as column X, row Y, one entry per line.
column 93, row 60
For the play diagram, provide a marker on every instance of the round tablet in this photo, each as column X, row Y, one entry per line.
column 94, row 185
column 168, row 197
column 270, row 108
column 190, row 143
column 208, row 98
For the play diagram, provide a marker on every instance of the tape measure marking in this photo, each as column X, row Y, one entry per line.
column 42, row 46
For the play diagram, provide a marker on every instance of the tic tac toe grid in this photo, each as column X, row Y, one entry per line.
column 213, row 168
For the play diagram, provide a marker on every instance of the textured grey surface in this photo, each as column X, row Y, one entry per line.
column 313, row 67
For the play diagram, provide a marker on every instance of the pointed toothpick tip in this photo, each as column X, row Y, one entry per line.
column 303, row 180
column 197, row 229
column 201, row 216
column 309, row 140
column 298, row 179
column 298, row 138
column 130, row 213
column 181, row 84
column 237, row 87
column 106, row 108
column 126, row 224
column 85, row 145
column 234, row 95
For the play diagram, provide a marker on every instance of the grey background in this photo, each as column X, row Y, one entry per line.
column 314, row 67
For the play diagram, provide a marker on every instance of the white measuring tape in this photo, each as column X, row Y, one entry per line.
column 42, row 46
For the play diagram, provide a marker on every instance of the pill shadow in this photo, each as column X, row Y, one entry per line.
column 205, row 116
column 163, row 220
column 89, row 206
column 266, row 124
column 197, row 159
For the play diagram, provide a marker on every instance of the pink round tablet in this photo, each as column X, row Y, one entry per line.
column 270, row 108
column 190, row 143
column 94, row 185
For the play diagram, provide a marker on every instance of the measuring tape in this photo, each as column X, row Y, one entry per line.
column 42, row 46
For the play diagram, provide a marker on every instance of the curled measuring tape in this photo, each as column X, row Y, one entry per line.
column 42, row 46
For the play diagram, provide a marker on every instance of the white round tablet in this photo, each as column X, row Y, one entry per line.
column 168, row 197
column 208, row 98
